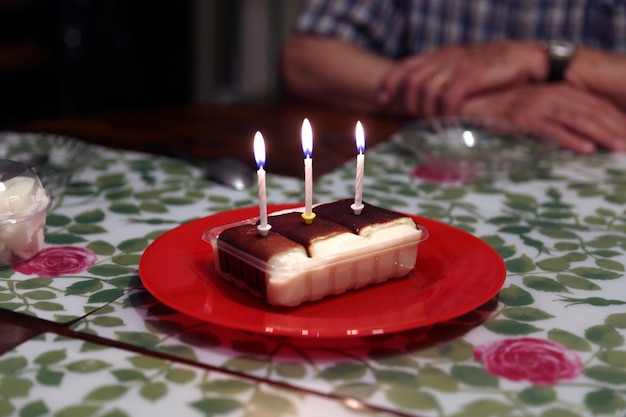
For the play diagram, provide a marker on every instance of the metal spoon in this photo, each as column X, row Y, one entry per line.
column 11, row 169
column 224, row 170
column 37, row 160
column 230, row 172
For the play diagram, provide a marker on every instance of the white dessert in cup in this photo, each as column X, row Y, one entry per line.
column 24, row 204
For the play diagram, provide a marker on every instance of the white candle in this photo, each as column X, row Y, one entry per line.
column 259, row 156
column 357, row 207
column 307, row 149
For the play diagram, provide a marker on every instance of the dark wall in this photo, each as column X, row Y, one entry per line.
column 160, row 38
column 66, row 57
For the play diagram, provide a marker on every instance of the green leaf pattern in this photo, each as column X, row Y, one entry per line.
column 59, row 376
column 139, row 195
column 561, row 233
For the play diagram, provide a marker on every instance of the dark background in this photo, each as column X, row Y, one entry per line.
column 68, row 57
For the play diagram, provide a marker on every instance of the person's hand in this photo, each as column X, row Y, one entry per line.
column 577, row 119
column 437, row 82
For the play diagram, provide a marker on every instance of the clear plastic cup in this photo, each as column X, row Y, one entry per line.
column 24, row 204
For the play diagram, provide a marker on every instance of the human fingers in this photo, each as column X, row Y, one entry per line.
column 590, row 116
column 416, row 82
column 488, row 67
column 417, row 90
column 434, row 77
column 433, row 91
column 595, row 131
column 531, row 108
column 566, row 138
column 396, row 80
column 461, row 85
column 436, row 83
column 426, row 86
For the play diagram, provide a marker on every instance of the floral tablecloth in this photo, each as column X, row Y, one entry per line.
column 550, row 344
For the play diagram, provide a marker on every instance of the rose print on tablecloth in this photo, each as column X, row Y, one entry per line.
column 539, row 361
column 58, row 260
column 444, row 172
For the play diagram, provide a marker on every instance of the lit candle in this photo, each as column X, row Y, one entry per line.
column 259, row 156
column 357, row 207
column 307, row 148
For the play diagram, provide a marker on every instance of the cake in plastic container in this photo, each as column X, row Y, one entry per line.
column 298, row 262
column 24, row 203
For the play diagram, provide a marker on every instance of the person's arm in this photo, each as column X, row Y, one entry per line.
column 333, row 72
column 600, row 72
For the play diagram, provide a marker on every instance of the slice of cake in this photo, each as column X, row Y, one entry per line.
column 320, row 238
column 374, row 223
column 244, row 268
column 337, row 252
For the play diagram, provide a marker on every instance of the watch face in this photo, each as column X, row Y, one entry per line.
column 561, row 49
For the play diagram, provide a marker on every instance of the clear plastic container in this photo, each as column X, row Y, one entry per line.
column 296, row 279
column 24, row 204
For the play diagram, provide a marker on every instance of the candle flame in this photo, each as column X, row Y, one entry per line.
column 259, row 150
column 307, row 138
column 359, row 134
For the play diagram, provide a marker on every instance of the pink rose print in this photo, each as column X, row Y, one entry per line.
column 58, row 260
column 444, row 172
column 539, row 361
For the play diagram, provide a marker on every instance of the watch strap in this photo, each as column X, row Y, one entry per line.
column 560, row 54
column 556, row 69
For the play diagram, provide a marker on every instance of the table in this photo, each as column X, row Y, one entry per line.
column 227, row 130
column 94, row 341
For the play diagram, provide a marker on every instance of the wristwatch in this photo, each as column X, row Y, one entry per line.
column 560, row 54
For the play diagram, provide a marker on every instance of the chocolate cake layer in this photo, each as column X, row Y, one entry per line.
column 262, row 247
column 292, row 226
column 340, row 212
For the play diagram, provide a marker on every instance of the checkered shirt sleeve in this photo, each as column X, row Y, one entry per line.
column 397, row 28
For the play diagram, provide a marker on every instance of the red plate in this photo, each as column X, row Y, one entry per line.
column 455, row 273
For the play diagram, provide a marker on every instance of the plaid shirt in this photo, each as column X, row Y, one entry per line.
column 398, row 28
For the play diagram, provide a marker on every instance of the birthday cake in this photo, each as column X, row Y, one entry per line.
column 338, row 251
